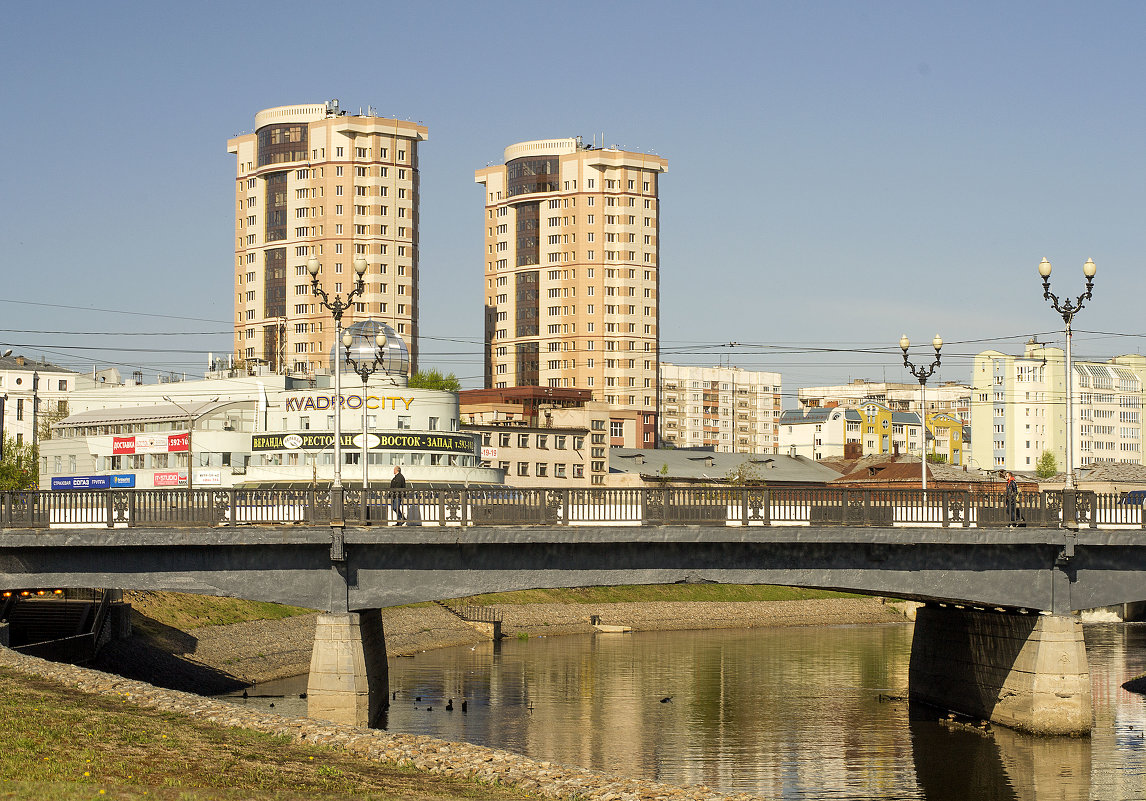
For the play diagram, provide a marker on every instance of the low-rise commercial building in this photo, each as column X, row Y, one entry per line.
column 543, row 436
column 253, row 427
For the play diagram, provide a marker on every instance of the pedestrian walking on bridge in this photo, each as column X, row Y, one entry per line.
column 1011, row 497
column 398, row 482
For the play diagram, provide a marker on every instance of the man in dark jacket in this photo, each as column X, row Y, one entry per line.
column 1011, row 496
column 396, row 483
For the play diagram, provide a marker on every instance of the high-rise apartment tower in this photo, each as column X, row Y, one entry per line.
column 317, row 181
column 572, row 261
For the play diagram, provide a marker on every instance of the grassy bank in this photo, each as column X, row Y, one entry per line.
column 63, row 744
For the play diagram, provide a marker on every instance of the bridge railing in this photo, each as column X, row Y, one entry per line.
column 560, row 506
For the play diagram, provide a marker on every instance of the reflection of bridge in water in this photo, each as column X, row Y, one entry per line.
column 996, row 640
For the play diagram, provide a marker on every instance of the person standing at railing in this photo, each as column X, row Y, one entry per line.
column 398, row 482
column 1011, row 496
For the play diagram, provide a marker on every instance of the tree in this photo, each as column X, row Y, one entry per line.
column 433, row 379
column 745, row 474
column 20, row 468
column 1046, row 466
column 48, row 417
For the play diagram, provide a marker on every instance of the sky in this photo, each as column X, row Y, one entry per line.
column 839, row 173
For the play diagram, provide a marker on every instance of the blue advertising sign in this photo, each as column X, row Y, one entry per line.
column 93, row 482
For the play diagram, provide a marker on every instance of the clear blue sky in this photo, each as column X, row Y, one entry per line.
column 839, row 172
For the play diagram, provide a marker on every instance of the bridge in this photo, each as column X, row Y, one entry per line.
column 996, row 640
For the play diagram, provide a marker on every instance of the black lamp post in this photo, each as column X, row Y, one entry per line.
column 337, row 306
column 922, row 373
column 1068, row 310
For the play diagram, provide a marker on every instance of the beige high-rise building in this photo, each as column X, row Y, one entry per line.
column 572, row 259
column 314, row 180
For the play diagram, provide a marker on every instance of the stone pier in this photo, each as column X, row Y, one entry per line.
column 349, row 682
column 1024, row 671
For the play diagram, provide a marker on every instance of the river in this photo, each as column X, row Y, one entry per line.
column 796, row 713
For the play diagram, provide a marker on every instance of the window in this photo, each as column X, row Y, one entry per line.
column 542, row 469
column 616, row 428
column 404, row 422
column 432, row 424
column 523, row 468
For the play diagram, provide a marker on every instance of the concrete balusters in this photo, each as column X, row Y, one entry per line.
column 349, row 682
column 1025, row 671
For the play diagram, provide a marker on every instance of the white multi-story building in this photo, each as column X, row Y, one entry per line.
column 1018, row 409
column 36, row 394
column 252, row 427
column 315, row 181
column 728, row 409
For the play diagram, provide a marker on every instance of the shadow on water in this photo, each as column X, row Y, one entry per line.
column 962, row 758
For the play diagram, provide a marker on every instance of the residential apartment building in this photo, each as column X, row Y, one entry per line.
column 947, row 397
column 728, row 409
column 1019, row 409
column 563, row 442
column 572, row 260
column 316, row 181
column 872, row 429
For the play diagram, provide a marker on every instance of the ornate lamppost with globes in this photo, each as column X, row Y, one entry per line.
column 922, row 373
column 1068, row 310
column 365, row 369
column 337, row 306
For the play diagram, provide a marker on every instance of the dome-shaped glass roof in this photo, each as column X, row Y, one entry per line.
column 364, row 349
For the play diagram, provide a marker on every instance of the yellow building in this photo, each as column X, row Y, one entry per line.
column 886, row 432
column 945, row 437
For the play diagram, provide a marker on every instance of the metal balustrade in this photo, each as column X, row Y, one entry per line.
column 562, row 506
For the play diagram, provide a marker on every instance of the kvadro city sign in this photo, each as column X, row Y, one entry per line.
column 300, row 403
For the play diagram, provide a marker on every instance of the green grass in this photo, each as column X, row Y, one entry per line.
column 656, row 593
column 188, row 611
column 61, row 744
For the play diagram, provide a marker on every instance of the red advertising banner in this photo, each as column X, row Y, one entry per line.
column 173, row 478
column 150, row 443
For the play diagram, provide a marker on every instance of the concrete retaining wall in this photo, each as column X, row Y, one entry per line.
column 1027, row 672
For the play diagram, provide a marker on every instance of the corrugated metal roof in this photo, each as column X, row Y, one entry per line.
column 140, row 414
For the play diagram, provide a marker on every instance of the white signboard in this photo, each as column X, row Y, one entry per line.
column 488, row 453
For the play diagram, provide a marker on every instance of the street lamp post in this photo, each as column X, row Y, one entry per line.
column 337, row 307
column 1068, row 310
column 922, row 373
column 190, row 426
column 365, row 370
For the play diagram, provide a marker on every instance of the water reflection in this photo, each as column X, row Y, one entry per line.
column 804, row 713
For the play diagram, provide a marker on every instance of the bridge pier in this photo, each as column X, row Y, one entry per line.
column 1026, row 672
column 349, row 680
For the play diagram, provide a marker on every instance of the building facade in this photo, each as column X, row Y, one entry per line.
column 255, row 428
column 572, row 260
column 834, row 432
column 315, row 181
column 35, row 394
column 947, row 397
column 728, row 409
column 1019, row 409
column 540, row 436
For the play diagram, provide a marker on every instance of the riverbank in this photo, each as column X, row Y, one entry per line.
column 221, row 658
